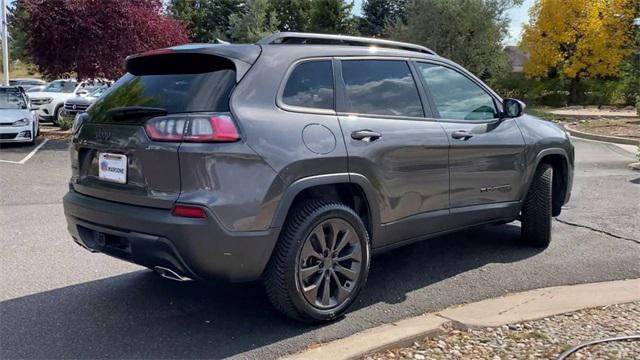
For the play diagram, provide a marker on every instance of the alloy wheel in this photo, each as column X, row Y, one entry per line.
column 329, row 264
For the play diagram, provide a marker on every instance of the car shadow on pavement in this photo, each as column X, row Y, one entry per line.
column 140, row 315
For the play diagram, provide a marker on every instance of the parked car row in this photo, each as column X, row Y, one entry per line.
column 51, row 100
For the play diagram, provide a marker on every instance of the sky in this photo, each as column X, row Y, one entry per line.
column 518, row 15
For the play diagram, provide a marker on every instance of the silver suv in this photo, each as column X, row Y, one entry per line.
column 295, row 159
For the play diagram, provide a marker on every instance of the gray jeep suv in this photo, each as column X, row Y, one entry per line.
column 295, row 159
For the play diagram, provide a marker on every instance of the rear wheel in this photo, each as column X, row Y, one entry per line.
column 320, row 263
column 536, row 211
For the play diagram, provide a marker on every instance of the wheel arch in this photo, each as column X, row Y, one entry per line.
column 559, row 161
column 354, row 190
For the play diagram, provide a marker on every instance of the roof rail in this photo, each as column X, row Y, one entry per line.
column 327, row 39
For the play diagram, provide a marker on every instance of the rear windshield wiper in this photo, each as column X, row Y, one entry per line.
column 132, row 112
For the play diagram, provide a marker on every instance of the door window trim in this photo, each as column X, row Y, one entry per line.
column 497, row 101
column 341, row 92
column 303, row 109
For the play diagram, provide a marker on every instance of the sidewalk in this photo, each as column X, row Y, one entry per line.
column 481, row 321
column 594, row 112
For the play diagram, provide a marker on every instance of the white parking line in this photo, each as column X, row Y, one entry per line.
column 29, row 155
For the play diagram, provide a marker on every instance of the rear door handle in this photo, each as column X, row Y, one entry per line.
column 365, row 135
column 461, row 135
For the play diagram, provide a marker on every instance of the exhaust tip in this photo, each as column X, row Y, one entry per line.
column 170, row 274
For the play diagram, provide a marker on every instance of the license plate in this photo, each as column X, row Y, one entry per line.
column 112, row 167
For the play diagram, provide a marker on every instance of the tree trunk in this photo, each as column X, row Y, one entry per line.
column 574, row 88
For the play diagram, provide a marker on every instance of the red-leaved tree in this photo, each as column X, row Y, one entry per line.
column 91, row 38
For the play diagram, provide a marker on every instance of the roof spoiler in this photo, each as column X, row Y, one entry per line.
column 242, row 56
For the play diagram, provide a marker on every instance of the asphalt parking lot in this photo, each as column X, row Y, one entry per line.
column 58, row 300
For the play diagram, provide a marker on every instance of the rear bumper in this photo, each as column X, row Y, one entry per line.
column 196, row 248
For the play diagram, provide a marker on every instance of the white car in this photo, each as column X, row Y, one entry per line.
column 50, row 100
column 18, row 121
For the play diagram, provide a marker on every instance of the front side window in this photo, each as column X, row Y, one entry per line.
column 310, row 85
column 380, row 87
column 455, row 95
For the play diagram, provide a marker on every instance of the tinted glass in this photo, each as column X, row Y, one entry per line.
column 175, row 93
column 99, row 91
column 12, row 99
column 63, row 86
column 382, row 87
column 310, row 85
column 455, row 95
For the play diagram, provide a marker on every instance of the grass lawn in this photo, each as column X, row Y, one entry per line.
column 21, row 70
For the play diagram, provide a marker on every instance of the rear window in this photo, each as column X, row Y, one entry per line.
column 310, row 85
column 202, row 87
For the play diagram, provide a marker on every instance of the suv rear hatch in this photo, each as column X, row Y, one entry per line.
column 125, row 148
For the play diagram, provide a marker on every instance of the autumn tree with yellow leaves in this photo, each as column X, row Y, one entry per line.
column 578, row 39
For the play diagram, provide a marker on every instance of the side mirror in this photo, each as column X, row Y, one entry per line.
column 512, row 108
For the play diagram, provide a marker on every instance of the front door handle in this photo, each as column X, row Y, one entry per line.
column 365, row 135
column 461, row 135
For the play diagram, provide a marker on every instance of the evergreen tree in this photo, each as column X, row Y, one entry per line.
column 255, row 22
column 332, row 17
column 378, row 14
column 206, row 20
column 293, row 15
column 17, row 17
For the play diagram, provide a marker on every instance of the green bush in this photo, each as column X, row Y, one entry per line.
column 554, row 92
column 602, row 92
column 541, row 92
column 65, row 122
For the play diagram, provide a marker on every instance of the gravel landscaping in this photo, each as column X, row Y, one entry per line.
column 541, row 339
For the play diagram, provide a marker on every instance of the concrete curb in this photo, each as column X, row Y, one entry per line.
column 524, row 306
column 612, row 139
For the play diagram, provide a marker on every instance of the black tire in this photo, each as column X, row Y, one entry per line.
column 289, row 267
column 536, row 211
column 56, row 113
column 34, row 135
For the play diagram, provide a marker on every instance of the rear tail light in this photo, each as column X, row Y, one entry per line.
column 193, row 128
column 219, row 128
column 188, row 211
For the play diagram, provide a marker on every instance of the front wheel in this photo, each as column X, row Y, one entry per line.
column 536, row 211
column 34, row 134
column 320, row 263
column 57, row 116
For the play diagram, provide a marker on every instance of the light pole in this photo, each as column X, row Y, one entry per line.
column 5, row 44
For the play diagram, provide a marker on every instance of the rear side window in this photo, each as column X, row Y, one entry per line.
column 310, row 85
column 380, row 87
column 178, row 84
